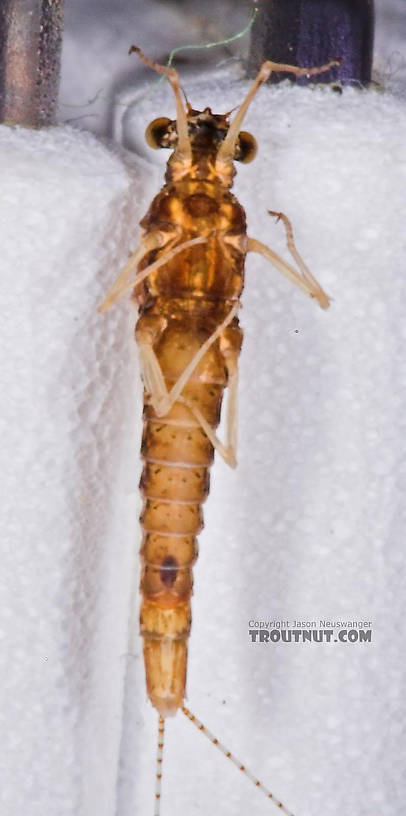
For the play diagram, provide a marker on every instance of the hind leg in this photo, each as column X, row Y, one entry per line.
column 230, row 345
column 148, row 331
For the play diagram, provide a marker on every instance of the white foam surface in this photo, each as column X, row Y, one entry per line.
column 67, row 215
column 311, row 525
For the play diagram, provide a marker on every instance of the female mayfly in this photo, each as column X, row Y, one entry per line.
column 189, row 276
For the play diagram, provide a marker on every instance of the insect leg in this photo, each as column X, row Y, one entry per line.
column 147, row 332
column 303, row 278
column 176, row 390
column 230, row 345
column 290, row 243
column 153, row 241
column 227, row 452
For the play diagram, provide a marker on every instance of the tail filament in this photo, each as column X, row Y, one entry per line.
column 236, row 762
column 159, row 760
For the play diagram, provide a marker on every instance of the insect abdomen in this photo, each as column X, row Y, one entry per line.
column 175, row 483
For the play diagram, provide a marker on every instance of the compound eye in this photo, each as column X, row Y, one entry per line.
column 156, row 132
column 246, row 147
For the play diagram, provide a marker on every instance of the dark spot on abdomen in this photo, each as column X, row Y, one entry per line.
column 169, row 570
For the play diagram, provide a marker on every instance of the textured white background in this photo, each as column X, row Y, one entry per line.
column 310, row 525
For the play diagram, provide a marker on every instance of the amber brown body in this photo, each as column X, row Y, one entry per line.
column 187, row 299
column 183, row 303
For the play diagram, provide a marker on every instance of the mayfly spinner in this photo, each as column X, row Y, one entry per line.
column 187, row 277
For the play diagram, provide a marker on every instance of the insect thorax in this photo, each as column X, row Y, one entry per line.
column 214, row 269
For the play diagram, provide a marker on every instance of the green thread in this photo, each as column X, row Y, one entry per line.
column 212, row 44
column 201, row 47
